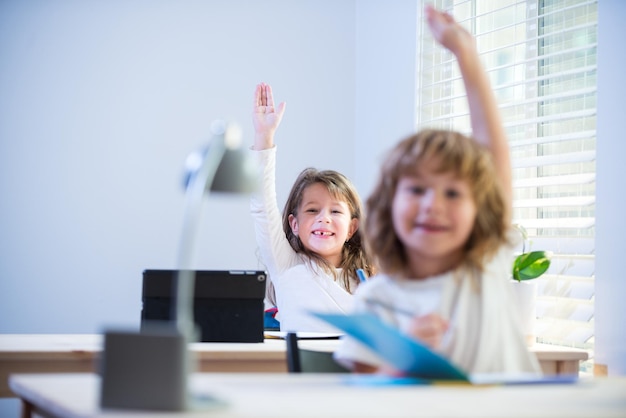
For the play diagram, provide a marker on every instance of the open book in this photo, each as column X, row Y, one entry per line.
column 416, row 359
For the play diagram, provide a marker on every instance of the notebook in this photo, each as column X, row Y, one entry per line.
column 418, row 361
column 228, row 304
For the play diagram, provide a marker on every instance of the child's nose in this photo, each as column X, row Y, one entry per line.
column 432, row 200
column 323, row 216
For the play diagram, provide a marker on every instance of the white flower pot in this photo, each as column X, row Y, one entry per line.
column 525, row 294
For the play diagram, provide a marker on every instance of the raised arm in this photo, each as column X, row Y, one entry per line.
column 265, row 117
column 276, row 253
column 484, row 114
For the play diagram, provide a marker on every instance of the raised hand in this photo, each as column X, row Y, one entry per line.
column 265, row 117
column 487, row 127
column 446, row 30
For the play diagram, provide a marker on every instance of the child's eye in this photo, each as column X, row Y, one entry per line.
column 418, row 190
column 452, row 193
column 336, row 211
column 311, row 210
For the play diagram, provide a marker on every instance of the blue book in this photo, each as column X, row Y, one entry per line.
column 418, row 360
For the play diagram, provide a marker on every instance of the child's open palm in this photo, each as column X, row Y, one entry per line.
column 266, row 117
column 446, row 30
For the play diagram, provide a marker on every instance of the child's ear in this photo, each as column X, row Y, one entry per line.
column 354, row 226
column 293, row 223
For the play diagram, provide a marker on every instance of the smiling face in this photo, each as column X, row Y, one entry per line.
column 323, row 223
column 433, row 215
column 442, row 158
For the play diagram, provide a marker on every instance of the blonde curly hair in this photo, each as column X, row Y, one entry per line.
column 454, row 153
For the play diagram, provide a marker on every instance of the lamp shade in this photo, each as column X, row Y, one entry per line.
column 235, row 172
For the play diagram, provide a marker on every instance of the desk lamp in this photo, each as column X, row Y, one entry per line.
column 150, row 370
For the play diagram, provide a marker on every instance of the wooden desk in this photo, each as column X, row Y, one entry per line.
column 79, row 353
column 329, row 395
column 559, row 360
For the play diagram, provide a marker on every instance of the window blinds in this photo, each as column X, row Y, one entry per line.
column 541, row 60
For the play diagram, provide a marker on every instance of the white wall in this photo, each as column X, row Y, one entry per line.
column 610, row 283
column 101, row 102
column 386, row 82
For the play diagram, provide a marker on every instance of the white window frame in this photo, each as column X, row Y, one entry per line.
column 554, row 172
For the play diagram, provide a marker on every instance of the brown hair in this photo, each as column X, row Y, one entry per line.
column 354, row 255
column 455, row 153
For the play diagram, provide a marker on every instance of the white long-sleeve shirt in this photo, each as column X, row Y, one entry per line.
column 484, row 334
column 301, row 287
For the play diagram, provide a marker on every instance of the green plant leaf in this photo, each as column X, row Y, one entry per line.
column 531, row 265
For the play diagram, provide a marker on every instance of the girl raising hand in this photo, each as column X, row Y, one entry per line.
column 313, row 249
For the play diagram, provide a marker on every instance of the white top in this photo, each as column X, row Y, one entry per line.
column 484, row 334
column 299, row 287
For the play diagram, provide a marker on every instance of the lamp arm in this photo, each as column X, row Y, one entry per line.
column 185, row 283
column 132, row 361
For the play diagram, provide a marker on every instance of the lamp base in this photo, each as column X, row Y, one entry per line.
column 147, row 370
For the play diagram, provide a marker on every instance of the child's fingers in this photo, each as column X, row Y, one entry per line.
column 260, row 95
column 269, row 96
column 281, row 108
column 263, row 95
column 429, row 329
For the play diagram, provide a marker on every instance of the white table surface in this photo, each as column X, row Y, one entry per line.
column 312, row 395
